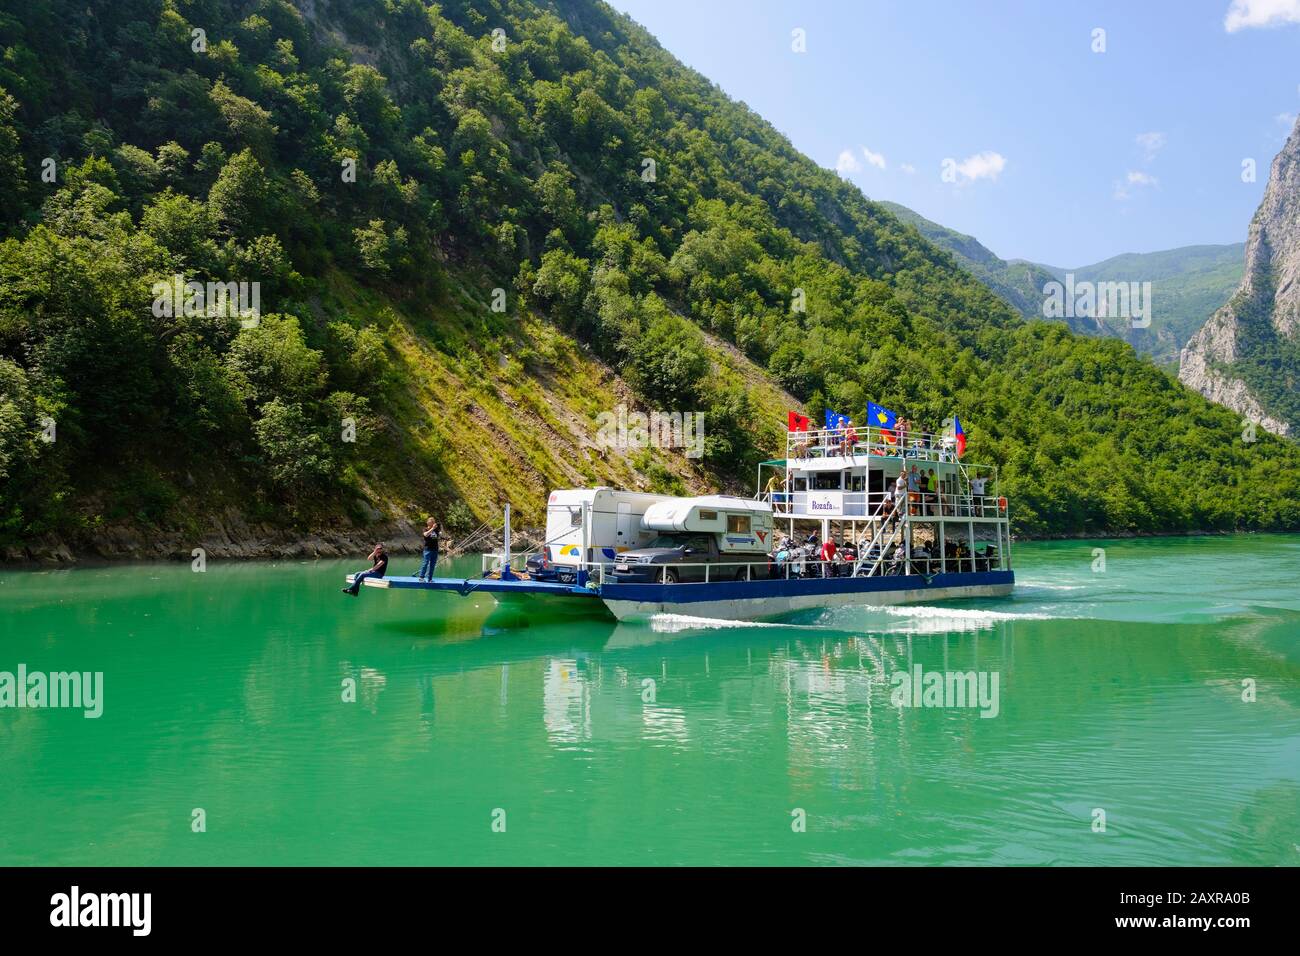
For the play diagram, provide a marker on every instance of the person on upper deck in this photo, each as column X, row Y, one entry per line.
column 850, row 437
column 838, row 437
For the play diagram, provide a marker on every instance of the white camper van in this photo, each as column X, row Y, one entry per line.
column 612, row 525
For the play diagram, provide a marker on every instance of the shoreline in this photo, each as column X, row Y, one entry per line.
column 234, row 541
column 397, row 535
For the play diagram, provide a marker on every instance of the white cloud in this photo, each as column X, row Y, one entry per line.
column 875, row 159
column 985, row 165
column 847, row 163
column 1133, row 179
column 1244, row 14
column 908, row 168
column 1285, row 120
column 1151, row 144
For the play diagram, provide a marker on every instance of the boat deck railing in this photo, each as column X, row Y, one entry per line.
column 891, row 443
column 866, row 504
column 797, row 567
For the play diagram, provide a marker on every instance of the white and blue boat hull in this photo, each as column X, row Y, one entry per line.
column 750, row 600
column 730, row 600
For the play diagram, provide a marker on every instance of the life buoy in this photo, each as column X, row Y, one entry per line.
column 1002, row 504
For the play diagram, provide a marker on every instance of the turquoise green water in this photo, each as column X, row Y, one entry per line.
column 1118, row 691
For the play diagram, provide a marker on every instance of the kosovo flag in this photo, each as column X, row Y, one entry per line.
column 880, row 417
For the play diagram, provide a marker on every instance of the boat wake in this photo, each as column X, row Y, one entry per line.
column 970, row 614
column 676, row 623
column 911, row 619
column 922, row 619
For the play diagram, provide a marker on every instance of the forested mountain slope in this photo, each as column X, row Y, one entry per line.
column 1020, row 283
column 548, row 159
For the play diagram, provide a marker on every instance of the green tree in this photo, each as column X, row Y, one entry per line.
column 669, row 362
column 298, row 457
column 273, row 361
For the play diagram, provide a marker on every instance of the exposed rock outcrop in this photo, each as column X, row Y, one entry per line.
column 1264, row 312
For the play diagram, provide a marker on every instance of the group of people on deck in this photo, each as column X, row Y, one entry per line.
column 921, row 490
column 842, row 438
column 844, row 556
column 430, row 539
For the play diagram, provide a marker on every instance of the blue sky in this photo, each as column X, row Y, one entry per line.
column 1060, row 154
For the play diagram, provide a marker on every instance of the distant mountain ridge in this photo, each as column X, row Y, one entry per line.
column 1019, row 282
column 1247, row 355
column 1188, row 284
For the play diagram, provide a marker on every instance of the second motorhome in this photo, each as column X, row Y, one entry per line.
column 694, row 535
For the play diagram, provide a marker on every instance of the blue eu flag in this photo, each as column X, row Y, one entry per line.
column 835, row 419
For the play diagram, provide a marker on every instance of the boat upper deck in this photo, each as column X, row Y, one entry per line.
column 848, row 473
column 850, row 443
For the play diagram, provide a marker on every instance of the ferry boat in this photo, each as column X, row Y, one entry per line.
column 633, row 555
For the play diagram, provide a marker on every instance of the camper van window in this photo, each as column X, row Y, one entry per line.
column 738, row 524
column 708, row 515
column 575, row 517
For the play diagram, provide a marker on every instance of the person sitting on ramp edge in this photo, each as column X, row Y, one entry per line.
column 380, row 557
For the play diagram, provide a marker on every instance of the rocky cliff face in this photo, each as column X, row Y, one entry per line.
column 1262, row 320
